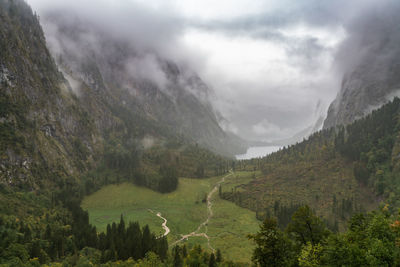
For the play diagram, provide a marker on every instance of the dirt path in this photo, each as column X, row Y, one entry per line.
column 164, row 224
column 209, row 216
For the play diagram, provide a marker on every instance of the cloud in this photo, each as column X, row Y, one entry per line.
column 258, row 79
column 148, row 28
column 374, row 34
column 269, row 62
column 75, row 85
column 146, row 67
column 266, row 128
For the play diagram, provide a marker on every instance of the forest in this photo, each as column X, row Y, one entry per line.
column 339, row 172
column 331, row 200
column 371, row 239
column 290, row 234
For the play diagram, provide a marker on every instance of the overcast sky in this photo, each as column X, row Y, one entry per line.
column 274, row 64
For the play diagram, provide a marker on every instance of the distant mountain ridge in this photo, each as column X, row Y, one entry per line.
column 56, row 125
column 371, row 59
column 158, row 89
column 363, row 90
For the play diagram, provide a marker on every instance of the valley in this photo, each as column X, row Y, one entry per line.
column 135, row 135
column 257, row 152
column 195, row 213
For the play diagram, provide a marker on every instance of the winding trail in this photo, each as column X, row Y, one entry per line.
column 209, row 216
column 164, row 224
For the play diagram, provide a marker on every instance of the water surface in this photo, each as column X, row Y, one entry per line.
column 258, row 151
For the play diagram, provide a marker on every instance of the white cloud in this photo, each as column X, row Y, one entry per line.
column 270, row 62
column 147, row 68
column 253, row 76
column 221, row 9
column 265, row 128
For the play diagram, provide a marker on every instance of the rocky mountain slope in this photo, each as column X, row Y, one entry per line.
column 159, row 90
column 44, row 131
column 56, row 125
column 368, row 87
column 370, row 58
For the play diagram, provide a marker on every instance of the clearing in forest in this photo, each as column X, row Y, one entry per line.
column 195, row 207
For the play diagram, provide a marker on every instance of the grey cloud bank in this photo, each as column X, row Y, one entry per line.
column 269, row 67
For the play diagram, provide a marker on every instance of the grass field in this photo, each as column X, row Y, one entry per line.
column 185, row 211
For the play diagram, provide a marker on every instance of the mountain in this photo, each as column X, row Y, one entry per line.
column 103, row 112
column 68, row 129
column 369, row 86
column 161, row 91
column 44, row 131
column 370, row 58
column 60, row 120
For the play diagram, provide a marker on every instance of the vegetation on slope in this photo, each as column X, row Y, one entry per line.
column 337, row 172
column 48, row 134
column 48, row 140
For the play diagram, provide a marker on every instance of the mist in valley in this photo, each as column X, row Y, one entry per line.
column 273, row 69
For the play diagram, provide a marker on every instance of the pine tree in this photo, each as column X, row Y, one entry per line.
column 178, row 262
column 121, row 227
column 212, row 261
column 219, row 256
column 272, row 247
column 135, row 237
column 184, row 251
column 47, row 233
column 162, row 247
column 146, row 240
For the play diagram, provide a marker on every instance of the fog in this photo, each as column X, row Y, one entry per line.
column 274, row 66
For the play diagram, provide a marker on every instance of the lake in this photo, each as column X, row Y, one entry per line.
column 258, row 151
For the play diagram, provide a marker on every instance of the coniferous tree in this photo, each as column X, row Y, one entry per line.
column 176, row 252
column 272, row 247
column 219, row 256
column 146, row 240
column 212, row 262
column 184, row 251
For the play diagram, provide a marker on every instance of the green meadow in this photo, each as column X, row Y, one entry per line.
column 185, row 209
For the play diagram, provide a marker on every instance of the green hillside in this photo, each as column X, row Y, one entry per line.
column 337, row 172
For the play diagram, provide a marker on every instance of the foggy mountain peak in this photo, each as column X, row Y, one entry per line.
column 369, row 60
column 123, row 73
column 268, row 65
column 72, row 39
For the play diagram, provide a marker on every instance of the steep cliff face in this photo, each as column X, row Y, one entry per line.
column 56, row 120
column 372, row 84
column 370, row 59
column 44, row 132
column 157, row 90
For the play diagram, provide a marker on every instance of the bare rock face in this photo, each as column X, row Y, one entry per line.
column 363, row 90
column 370, row 60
